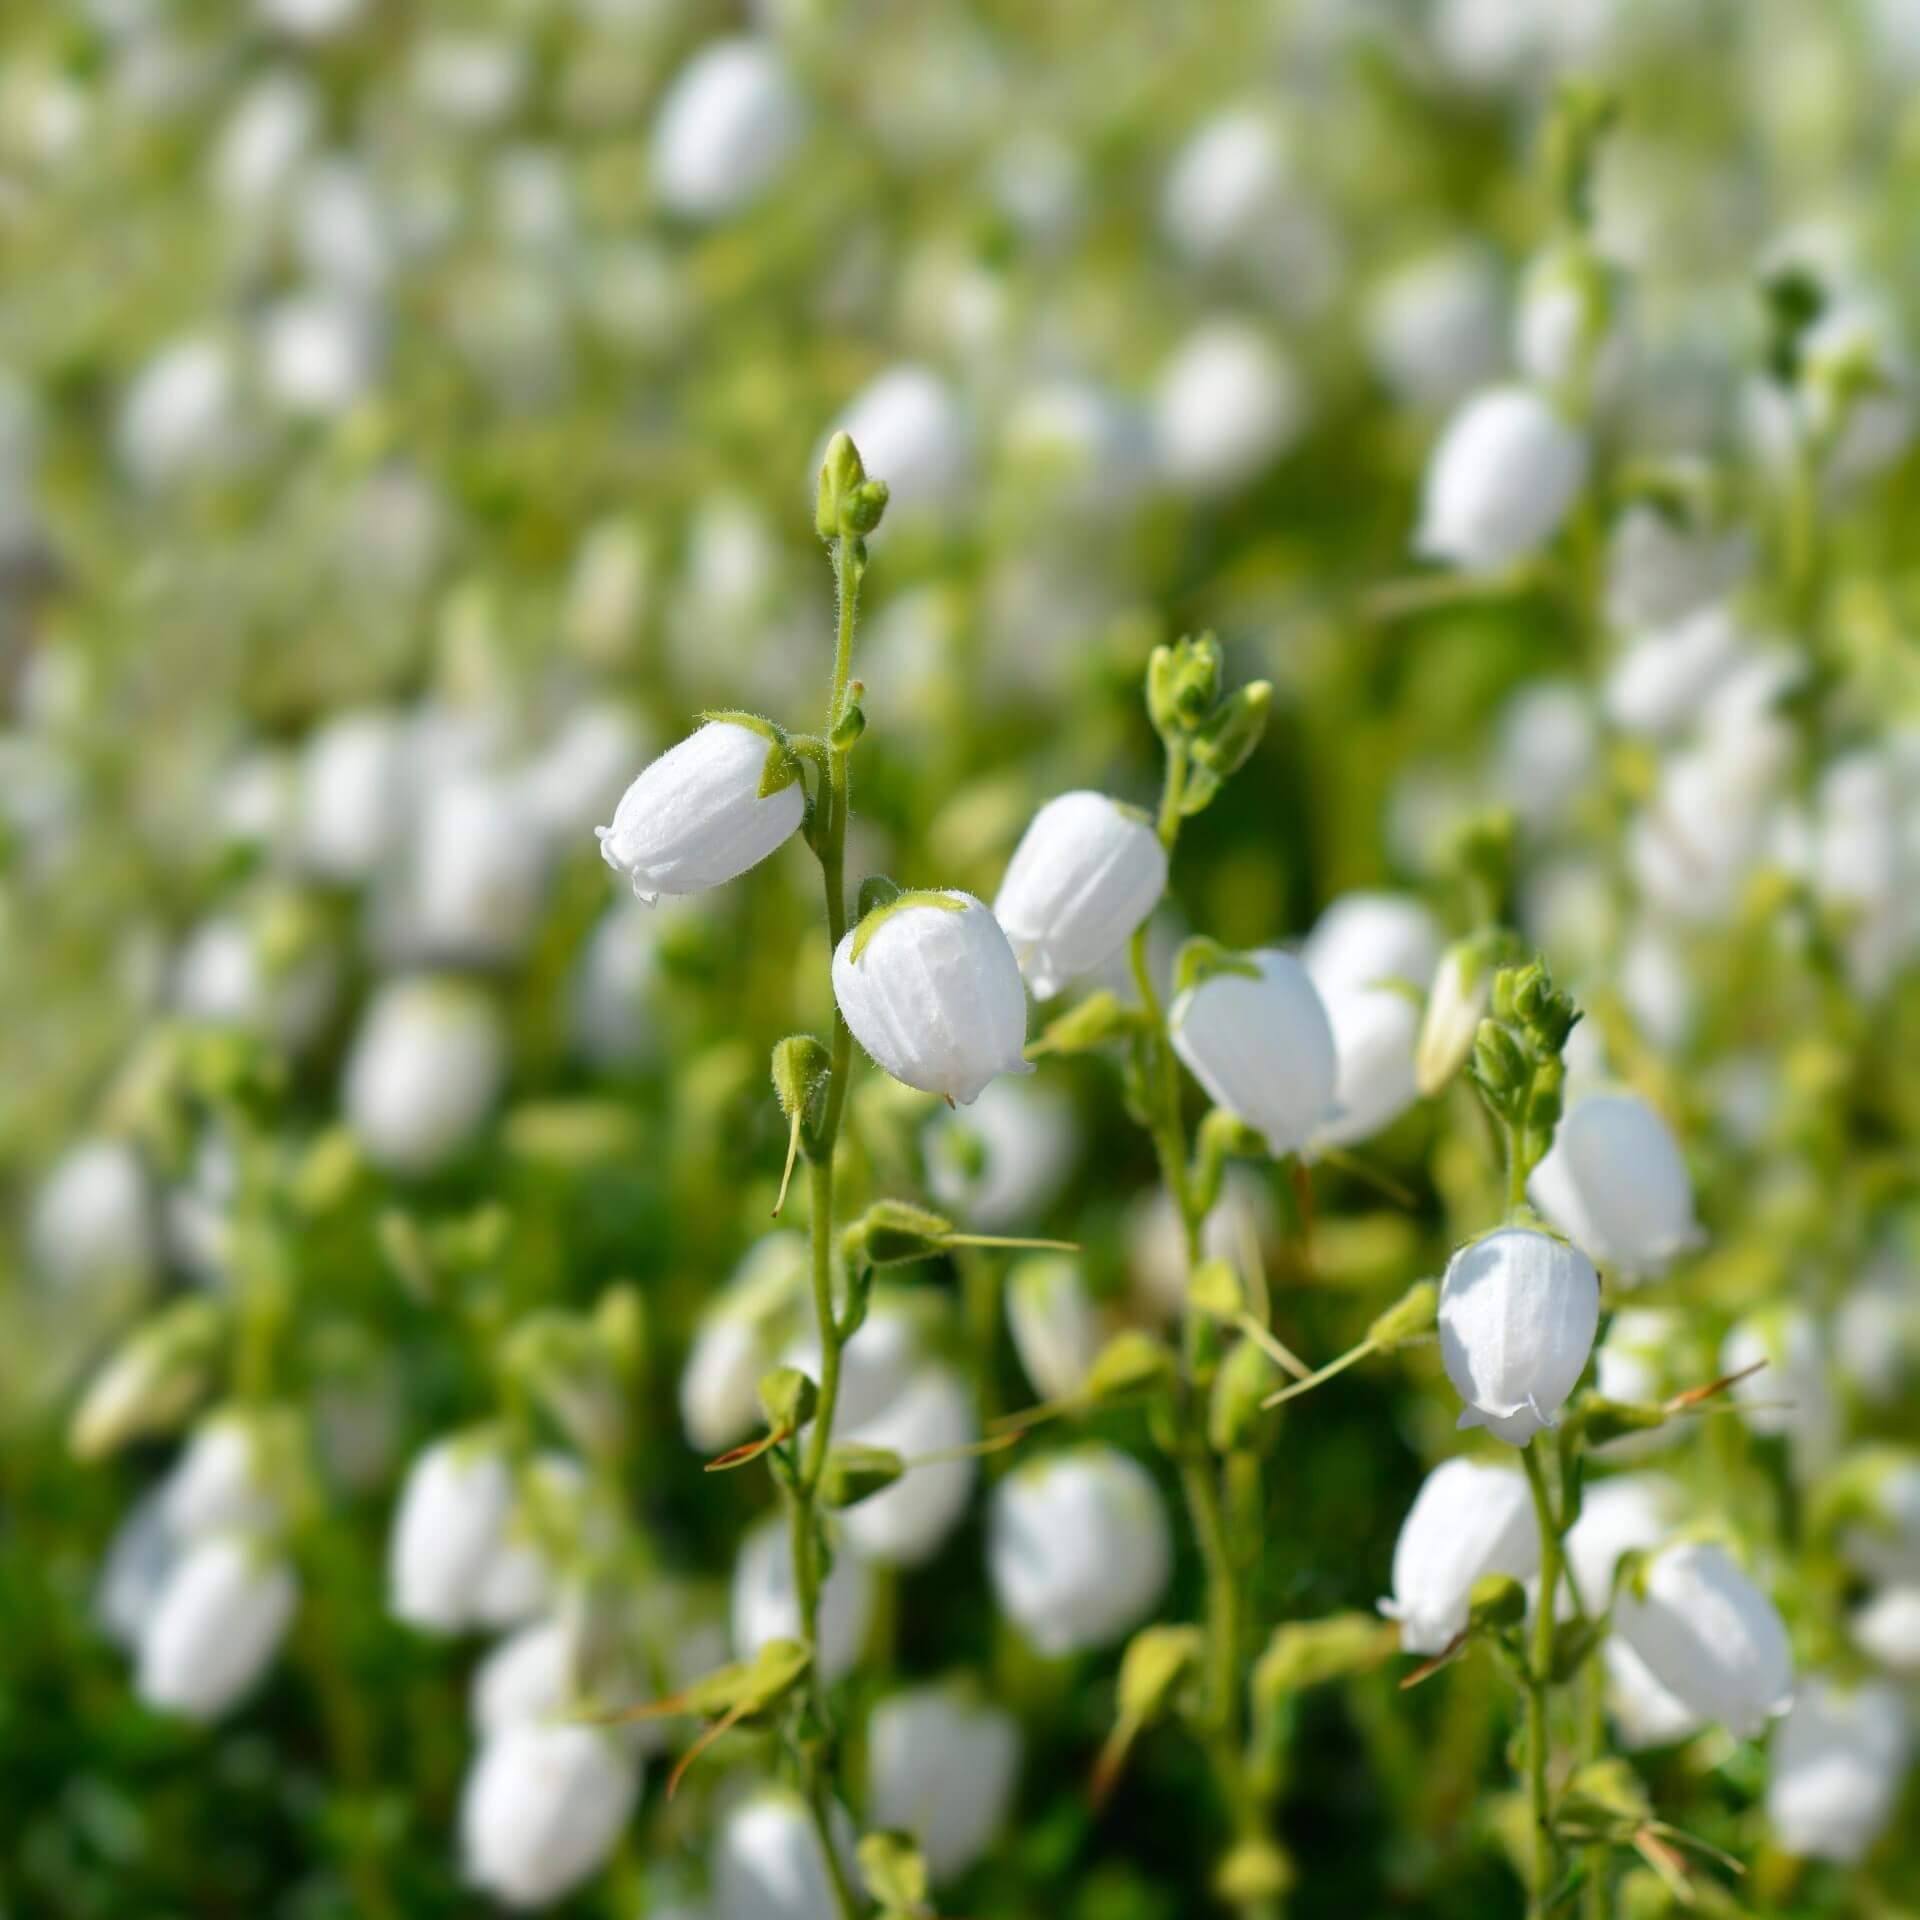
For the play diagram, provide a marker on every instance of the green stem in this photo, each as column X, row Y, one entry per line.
column 1546, row 1847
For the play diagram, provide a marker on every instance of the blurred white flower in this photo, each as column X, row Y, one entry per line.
column 1837, row 1765
column 317, row 354
column 139, row 1560
column 351, row 788
column 1616, row 1184
column 738, row 1340
column 766, row 1860
column 543, row 1809
column 1228, row 404
column 908, row 1522
column 1500, row 482
column 446, row 1530
column 424, row 1072
column 1518, row 1312
column 1239, row 1230
column 1001, row 1164
column 472, row 81
column 216, row 1627
column 1664, row 566
column 731, row 119
column 933, row 993
column 177, row 419
column 1887, row 1628
column 1637, row 1364
column 1469, row 1519
column 1436, row 325
column 92, row 1222
column 480, row 872
column 1078, row 1548
column 261, row 143
column 309, row 19
column 1052, row 1319
column 221, row 1483
column 1224, row 185
column 912, row 431
column 942, row 1766
column 1792, row 1396
column 1546, row 750
column 1644, row 1712
column 765, row 1606
column 1884, row 1546
column 1631, row 1513
column 1662, row 682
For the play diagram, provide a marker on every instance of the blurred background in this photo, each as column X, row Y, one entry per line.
column 408, row 418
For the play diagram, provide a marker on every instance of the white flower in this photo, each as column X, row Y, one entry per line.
column 1366, row 939
column 767, row 1864
column 1456, row 1004
column 726, row 129
column 219, row 1484
column 317, row 354
column 1614, row 1183
column 1546, row 751
column 1468, row 1519
column 581, row 771
column 1262, row 1048
column 613, row 1022
column 261, row 143
column 1887, row 1629
column 1640, row 1363
column 140, row 1558
column 1662, row 682
column 1374, row 1033
column 1564, row 334
column 1518, row 1312
column 1078, row 1548
column 352, row 786
column 1837, row 1766
column 1056, row 1331
column 941, row 1765
column 766, row 1608
column 1630, row 1514
column 1885, row 1546
column 1227, row 405
column 1645, row 1713
column 480, row 872
column 1792, row 1396
column 1000, row 1165
column 92, row 1223
column 1435, row 325
column 219, row 1621
column 906, row 1523
column 1087, row 871
column 1866, row 862
column 178, row 418
column 931, row 989
column 543, row 1809
column 1224, row 184
column 1663, row 568
column 1240, row 1229
column 1709, row 1636
column 446, row 1531
column 424, row 1072
column 1500, row 482
column 696, row 818
column 912, row 433
column 738, row 1340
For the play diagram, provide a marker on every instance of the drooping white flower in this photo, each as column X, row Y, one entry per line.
column 318, row 354
column 1056, row 1331
column 1435, row 325
column 1644, row 1712
column 767, row 1863
column 1866, row 861
column 352, row 785
column 907, row 1522
column 1662, row 682
column 554, row 1503
column 480, row 872
column 1546, row 751
column 1262, row 1047
column 221, row 1483
column 765, row 1606
column 452, row 1515
column 139, row 1560
column 912, row 432
column 1087, row 871
column 1000, row 1164
column 1375, row 1031
column 941, row 1765
column 613, row 1018
column 1368, row 939
column 1240, row 1229
column 738, row 1339
column 1224, row 184
column 1500, row 482
column 1709, row 1636
column 1518, row 1312
column 697, row 818
column 543, row 1809
column 1469, row 1519
column 931, row 989
column 178, row 419
column 728, row 125
column 218, row 1622
column 1227, row 405
column 1078, row 1548
column 1631, row 1513
column 1663, row 568
column 1836, row 1768
column 92, row 1224
column 423, row 1073
column 262, row 141
column 1614, row 1183
column 1887, row 1629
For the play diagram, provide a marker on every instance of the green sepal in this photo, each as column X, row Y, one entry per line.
column 789, row 1399
column 1131, row 1362
column 893, row 1872
column 1202, row 959
column 1095, row 1021
column 854, row 1471
column 871, row 923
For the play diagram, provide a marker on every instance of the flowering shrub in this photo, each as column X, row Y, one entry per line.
column 959, row 964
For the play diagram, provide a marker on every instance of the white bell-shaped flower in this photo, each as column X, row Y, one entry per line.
column 738, row 1338
column 765, row 1606
column 92, row 1224
column 1055, row 1327
column 1837, row 1765
column 1456, row 1004
column 179, row 418
column 448, row 1527
column 1078, row 1548
column 1663, row 568
column 1227, row 405
column 219, row 1621
column 1518, row 1312
column 1631, row 1513
column 931, row 989
column 942, row 1765
column 1502, row 479
column 1087, row 871
column 139, row 1560
column 1262, row 1047
column 913, row 433
column 1709, row 1636
column 554, row 1502
column 728, row 125
column 1435, row 325
column 906, row 1523
column 1469, row 1519
column 1644, row 1713
column 1887, row 1629
column 1225, row 184
column 767, row 1863
column 352, row 789
column 696, row 818
column 1367, row 939
column 480, row 868
column 543, row 1809
column 220, row 1484
column 1615, row 1184
column 424, row 1071
column 999, row 1165
column 1663, row 681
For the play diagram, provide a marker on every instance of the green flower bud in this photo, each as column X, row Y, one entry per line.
column 1497, row 1600
column 1131, row 1362
column 1234, row 1415
column 893, row 1872
column 789, row 1399
column 1409, row 1318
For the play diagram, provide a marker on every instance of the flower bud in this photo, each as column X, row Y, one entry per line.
column 447, row 1529
column 425, row 1069
column 932, row 991
column 705, row 811
column 151, row 1382
column 543, row 1808
column 1518, row 1312
column 1078, row 1548
column 1615, row 1184
column 908, row 1521
column 1709, row 1636
column 1837, row 1765
column 942, row 1765
column 765, row 1607
column 1246, row 1377
column 1564, row 334
column 1456, row 1004
column 1087, row 871
column 1262, row 1048
column 1468, row 1520
column 767, row 1864
column 1501, row 481
column 729, row 122
column 1055, row 1328
column 219, row 1621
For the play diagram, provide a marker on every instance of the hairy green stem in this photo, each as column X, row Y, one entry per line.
column 1546, row 1846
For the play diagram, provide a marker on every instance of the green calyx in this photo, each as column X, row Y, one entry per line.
column 873, row 921
column 782, row 767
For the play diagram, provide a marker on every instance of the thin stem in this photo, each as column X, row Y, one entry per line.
column 1546, row 1846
